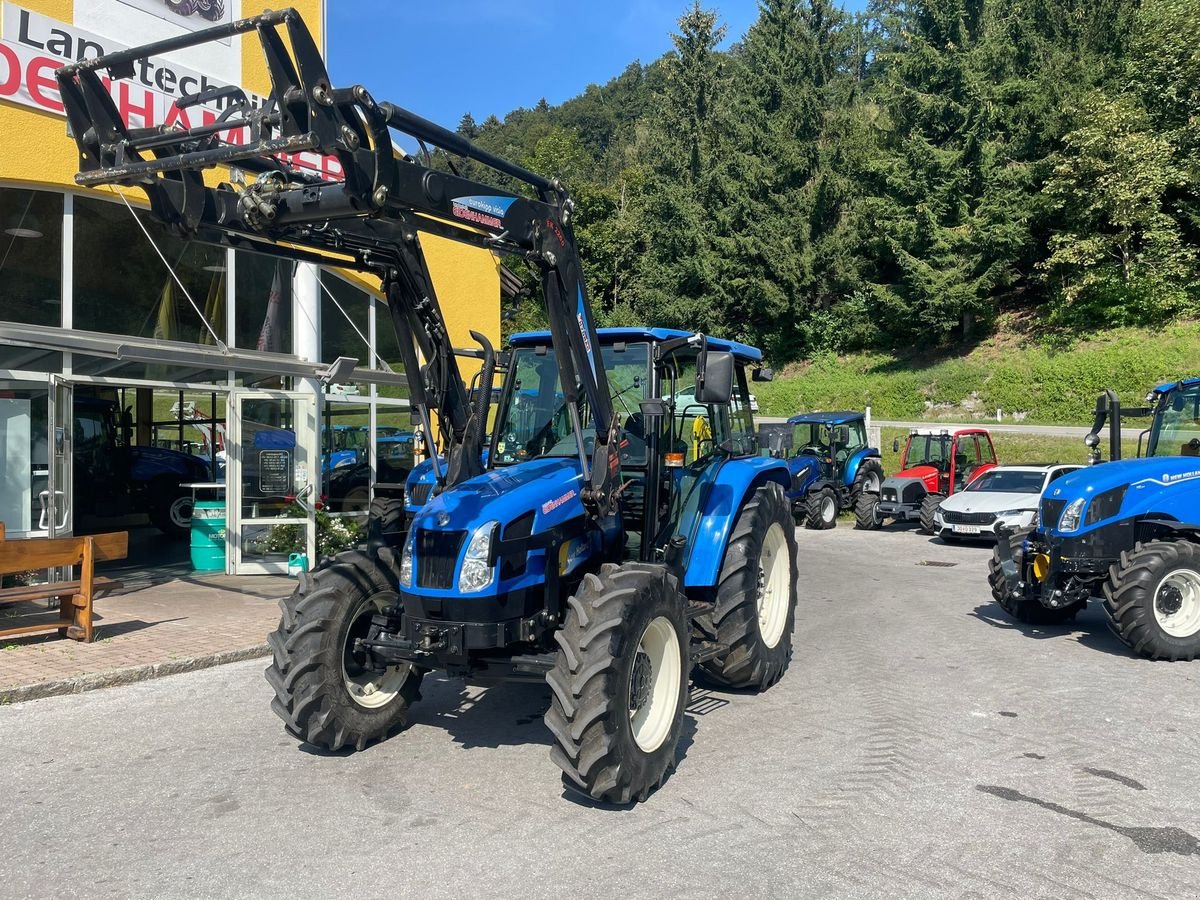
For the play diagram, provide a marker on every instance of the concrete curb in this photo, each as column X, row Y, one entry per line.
column 130, row 675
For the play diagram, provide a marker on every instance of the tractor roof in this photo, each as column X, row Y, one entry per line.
column 1171, row 385
column 744, row 352
column 958, row 432
column 826, row 418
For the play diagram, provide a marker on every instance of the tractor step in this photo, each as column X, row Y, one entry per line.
column 534, row 664
column 703, row 651
column 698, row 608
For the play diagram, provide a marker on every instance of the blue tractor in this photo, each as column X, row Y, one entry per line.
column 1126, row 531
column 614, row 531
column 829, row 462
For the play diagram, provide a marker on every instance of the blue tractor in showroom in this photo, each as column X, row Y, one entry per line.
column 829, row 463
column 1126, row 531
column 613, row 532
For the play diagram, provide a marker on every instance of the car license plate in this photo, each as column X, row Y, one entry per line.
column 966, row 529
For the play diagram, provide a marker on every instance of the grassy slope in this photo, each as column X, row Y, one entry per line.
column 1048, row 385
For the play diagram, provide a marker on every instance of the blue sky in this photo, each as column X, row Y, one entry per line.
column 443, row 58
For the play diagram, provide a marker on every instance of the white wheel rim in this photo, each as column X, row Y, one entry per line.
column 773, row 586
column 654, row 684
column 178, row 519
column 828, row 509
column 871, row 484
column 1177, row 603
column 369, row 689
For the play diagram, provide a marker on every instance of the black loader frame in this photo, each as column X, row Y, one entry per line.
column 370, row 221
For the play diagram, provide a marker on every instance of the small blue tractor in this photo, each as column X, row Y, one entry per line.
column 829, row 462
column 615, row 529
column 1127, row 530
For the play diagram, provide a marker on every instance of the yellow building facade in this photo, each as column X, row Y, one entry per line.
column 194, row 348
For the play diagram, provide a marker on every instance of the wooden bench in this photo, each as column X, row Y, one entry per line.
column 75, row 619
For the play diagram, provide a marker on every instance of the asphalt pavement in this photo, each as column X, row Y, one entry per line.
column 919, row 746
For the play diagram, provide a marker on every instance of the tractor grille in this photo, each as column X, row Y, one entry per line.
column 961, row 518
column 419, row 494
column 1051, row 510
column 913, row 492
column 437, row 557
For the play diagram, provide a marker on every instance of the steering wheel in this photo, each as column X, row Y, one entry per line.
column 812, row 450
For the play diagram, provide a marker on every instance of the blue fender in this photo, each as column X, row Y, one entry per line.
column 803, row 471
column 855, row 461
column 733, row 484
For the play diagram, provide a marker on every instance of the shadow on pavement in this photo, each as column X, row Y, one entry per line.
column 1089, row 626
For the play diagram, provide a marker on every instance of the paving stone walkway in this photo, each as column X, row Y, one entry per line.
column 183, row 624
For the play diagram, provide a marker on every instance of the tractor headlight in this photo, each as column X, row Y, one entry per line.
column 406, row 562
column 477, row 568
column 1069, row 520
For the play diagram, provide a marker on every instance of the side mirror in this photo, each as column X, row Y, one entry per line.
column 895, row 445
column 841, row 435
column 714, row 378
column 763, row 375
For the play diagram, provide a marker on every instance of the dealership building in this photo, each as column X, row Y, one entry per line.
column 124, row 348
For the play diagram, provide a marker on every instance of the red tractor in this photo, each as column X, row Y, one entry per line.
column 935, row 465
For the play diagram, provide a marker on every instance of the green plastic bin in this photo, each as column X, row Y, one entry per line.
column 208, row 536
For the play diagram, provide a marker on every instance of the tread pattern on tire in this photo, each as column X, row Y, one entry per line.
column 1024, row 609
column 593, row 746
column 929, row 505
column 813, row 514
column 305, row 670
column 1129, row 598
column 749, row 663
column 386, row 524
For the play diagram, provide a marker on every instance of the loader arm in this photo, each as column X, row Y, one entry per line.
column 372, row 219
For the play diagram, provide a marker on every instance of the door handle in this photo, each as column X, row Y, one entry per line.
column 44, row 498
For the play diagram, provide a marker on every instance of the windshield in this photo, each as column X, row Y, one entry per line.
column 928, row 449
column 1009, row 482
column 1176, row 430
column 536, row 422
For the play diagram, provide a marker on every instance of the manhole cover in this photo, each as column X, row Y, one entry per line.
column 936, row 563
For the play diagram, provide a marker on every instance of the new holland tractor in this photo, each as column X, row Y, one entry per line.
column 1126, row 531
column 935, row 465
column 595, row 545
column 829, row 461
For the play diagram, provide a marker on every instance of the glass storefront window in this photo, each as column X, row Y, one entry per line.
column 31, row 257
column 338, row 336
column 263, row 288
column 345, row 456
column 388, row 349
column 122, row 287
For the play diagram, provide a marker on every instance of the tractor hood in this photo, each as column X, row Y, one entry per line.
column 550, row 488
column 1157, row 487
column 148, row 463
column 927, row 475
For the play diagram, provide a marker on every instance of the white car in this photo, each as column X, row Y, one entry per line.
column 1005, row 497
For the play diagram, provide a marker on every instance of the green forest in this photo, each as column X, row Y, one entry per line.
column 898, row 180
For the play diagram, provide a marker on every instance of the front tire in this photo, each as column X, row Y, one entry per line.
column 326, row 693
column 387, row 525
column 619, row 685
column 929, row 506
column 867, row 516
column 1152, row 599
column 1024, row 609
column 821, row 509
column 755, row 608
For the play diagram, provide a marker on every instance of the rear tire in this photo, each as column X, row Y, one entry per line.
column 868, row 479
column 172, row 513
column 619, row 685
column 324, row 692
column 1152, row 599
column 755, row 608
column 867, row 516
column 929, row 505
column 1024, row 609
column 821, row 509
